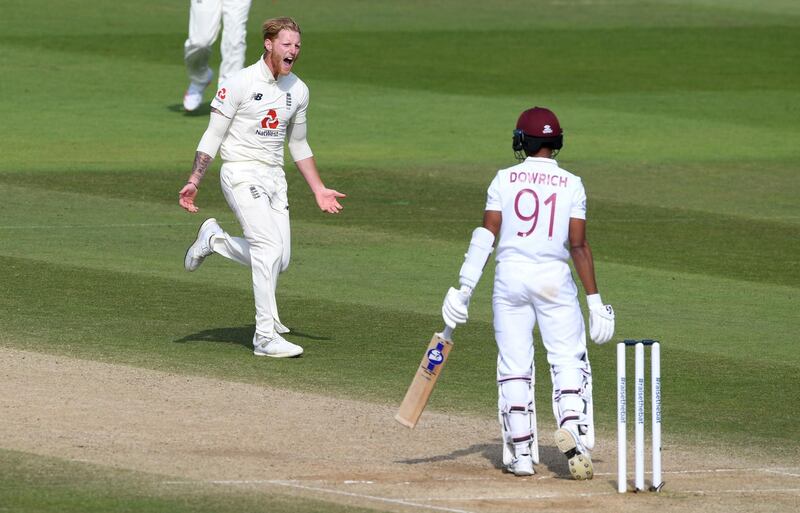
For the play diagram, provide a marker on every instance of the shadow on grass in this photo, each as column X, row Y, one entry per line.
column 549, row 456
column 203, row 110
column 242, row 335
column 492, row 452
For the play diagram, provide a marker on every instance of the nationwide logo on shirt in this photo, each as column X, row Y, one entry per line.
column 269, row 124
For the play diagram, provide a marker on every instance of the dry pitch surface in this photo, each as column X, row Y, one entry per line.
column 200, row 432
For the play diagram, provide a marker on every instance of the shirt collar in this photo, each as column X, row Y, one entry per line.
column 541, row 159
column 265, row 72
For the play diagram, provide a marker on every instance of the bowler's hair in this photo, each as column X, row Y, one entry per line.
column 272, row 26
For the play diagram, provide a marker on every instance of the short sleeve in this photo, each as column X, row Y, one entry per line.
column 578, row 209
column 229, row 96
column 493, row 200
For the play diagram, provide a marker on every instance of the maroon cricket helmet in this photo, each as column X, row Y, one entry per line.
column 537, row 127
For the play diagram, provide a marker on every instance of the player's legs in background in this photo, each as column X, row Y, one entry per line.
column 204, row 26
column 234, row 37
column 514, row 320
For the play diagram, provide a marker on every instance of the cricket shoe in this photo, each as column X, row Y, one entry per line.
column 522, row 465
column 193, row 96
column 579, row 461
column 201, row 247
column 276, row 347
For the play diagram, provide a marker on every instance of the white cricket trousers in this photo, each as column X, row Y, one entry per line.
column 526, row 294
column 257, row 195
column 205, row 19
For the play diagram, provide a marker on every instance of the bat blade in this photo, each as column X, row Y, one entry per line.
column 421, row 387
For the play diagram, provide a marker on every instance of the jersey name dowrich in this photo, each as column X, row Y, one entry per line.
column 538, row 178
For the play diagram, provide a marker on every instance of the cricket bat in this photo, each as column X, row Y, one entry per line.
column 425, row 379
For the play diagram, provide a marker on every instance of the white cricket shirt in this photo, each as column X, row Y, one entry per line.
column 537, row 199
column 261, row 109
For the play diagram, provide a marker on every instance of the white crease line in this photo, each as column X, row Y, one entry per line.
column 722, row 492
column 600, row 494
column 371, row 497
column 218, row 481
column 291, row 484
column 521, row 497
column 779, row 472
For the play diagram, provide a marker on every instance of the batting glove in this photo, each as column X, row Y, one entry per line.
column 601, row 319
column 456, row 304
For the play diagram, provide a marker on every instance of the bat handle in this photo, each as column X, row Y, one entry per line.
column 447, row 333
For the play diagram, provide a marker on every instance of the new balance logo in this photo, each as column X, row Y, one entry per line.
column 288, row 99
column 254, row 192
column 257, row 96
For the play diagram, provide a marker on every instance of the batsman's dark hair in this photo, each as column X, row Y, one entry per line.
column 525, row 145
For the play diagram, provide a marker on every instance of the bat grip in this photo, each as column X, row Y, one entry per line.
column 447, row 333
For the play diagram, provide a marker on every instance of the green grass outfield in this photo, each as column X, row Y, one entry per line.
column 683, row 118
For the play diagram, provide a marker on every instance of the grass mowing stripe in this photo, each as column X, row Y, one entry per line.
column 650, row 59
column 647, row 236
column 746, row 190
column 759, row 251
column 575, row 58
column 719, row 113
column 710, row 316
column 786, row 9
column 68, row 16
column 31, row 483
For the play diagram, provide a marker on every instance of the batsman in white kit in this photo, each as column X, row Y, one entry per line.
column 536, row 216
column 252, row 115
